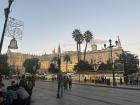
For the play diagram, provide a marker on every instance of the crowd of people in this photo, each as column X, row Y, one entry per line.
column 18, row 93
column 65, row 82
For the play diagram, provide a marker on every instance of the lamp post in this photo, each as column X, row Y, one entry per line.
column 59, row 63
column 111, row 59
column 59, row 78
column 6, row 11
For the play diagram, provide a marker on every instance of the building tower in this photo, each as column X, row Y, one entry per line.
column 93, row 45
column 119, row 43
column 59, row 50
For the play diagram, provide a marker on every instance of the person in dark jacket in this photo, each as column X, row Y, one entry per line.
column 70, row 82
column 23, row 96
column 11, row 96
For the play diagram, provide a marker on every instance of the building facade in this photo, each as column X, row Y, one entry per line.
column 95, row 56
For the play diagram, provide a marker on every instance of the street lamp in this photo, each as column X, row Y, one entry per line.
column 6, row 11
column 59, row 78
column 111, row 59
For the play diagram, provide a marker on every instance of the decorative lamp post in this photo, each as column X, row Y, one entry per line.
column 59, row 63
column 6, row 11
column 14, row 29
column 59, row 78
column 111, row 59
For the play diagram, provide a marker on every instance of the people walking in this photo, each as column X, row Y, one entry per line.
column 60, row 85
column 2, row 94
column 70, row 82
column 11, row 96
column 29, row 86
column 65, row 80
column 23, row 81
column 85, row 79
column 33, row 80
column 23, row 95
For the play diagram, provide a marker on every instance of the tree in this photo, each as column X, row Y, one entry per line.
column 87, row 36
column 129, row 61
column 66, row 59
column 104, row 67
column 4, row 67
column 82, row 66
column 31, row 65
column 78, row 37
column 55, row 60
column 53, row 68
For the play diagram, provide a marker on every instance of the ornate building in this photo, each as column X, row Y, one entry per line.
column 16, row 60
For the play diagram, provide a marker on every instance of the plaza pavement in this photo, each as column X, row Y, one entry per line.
column 130, row 87
column 45, row 94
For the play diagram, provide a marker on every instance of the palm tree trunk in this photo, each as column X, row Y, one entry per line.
column 66, row 66
column 85, row 51
column 78, row 52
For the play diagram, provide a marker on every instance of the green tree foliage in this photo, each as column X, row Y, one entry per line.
column 4, row 67
column 53, row 68
column 129, row 61
column 66, row 59
column 82, row 66
column 87, row 36
column 55, row 58
column 104, row 67
column 31, row 65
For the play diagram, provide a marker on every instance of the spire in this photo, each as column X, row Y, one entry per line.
column 59, row 50
column 119, row 43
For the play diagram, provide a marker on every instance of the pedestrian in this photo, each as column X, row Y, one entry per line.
column 85, row 79
column 23, row 96
column 70, row 82
column 2, row 94
column 33, row 81
column 65, row 80
column 2, row 87
column 121, row 81
column 126, row 80
column 2, row 98
column 29, row 86
column 23, row 82
column 60, row 85
column 11, row 96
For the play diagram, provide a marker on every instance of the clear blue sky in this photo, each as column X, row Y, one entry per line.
column 49, row 22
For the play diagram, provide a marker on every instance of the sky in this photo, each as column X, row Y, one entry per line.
column 50, row 22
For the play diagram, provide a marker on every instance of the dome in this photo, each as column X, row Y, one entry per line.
column 93, row 47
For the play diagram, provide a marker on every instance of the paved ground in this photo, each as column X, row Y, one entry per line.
column 130, row 87
column 45, row 94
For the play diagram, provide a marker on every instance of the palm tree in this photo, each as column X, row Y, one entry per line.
column 87, row 36
column 66, row 59
column 81, row 39
column 78, row 37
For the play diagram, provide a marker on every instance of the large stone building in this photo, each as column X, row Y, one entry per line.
column 16, row 60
